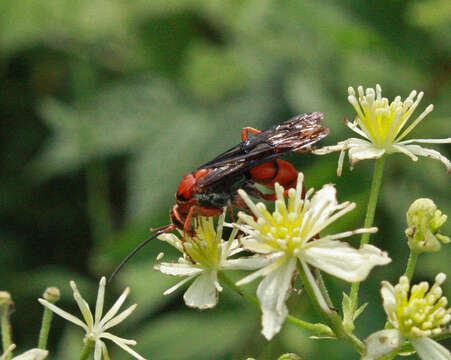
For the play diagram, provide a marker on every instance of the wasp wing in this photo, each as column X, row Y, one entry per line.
column 296, row 134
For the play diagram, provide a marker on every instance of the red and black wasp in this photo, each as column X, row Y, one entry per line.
column 214, row 185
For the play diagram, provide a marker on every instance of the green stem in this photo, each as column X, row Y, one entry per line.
column 45, row 328
column 369, row 218
column 6, row 329
column 411, row 263
column 319, row 303
column 323, row 288
column 316, row 328
column 87, row 349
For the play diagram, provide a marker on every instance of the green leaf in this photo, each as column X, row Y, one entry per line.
column 183, row 335
column 348, row 315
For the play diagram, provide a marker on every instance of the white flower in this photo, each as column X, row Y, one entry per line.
column 416, row 313
column 204, row 255
column 289, row 234
column 382, row 124
column 96, row 326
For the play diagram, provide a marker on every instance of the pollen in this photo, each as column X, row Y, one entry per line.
column 420, row 309
column 204, row 247
column 291, row 223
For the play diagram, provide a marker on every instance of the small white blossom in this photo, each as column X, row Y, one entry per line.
column 204, row 255
column 289, row 234
column 95, row 326
column 382, row 125
column 416, row 313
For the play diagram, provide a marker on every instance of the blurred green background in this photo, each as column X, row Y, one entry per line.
column 105, row 105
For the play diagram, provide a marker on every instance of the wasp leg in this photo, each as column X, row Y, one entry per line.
column 195, row 211
column 245, row 132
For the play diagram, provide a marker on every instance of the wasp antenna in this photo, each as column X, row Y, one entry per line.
column 160, row 231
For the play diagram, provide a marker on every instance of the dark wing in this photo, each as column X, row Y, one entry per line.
column 295, row 134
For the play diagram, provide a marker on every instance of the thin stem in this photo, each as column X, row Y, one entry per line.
column 317, row 328
column 323, row 288
column 6, row 329
column 52, row 295
column 369, row 218
column 45, row 328
column 411, row 263
column 320, row 305
column 318, row 301
column 87, row 349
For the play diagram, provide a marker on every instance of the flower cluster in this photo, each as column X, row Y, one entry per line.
column 289, row 239
column 278, row 240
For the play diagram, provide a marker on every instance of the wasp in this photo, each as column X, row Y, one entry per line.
column 213, row 186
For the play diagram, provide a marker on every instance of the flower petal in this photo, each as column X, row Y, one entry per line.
column 323, row 204
column 389, row 300
column 202, row 293
column 171, row 239
column 85, row 310
column 64, row 314
column 33, row 354
column 83, row 305
column 179, row 284
column 343, row 261
column 116, row 306
column 99, row 301
column 381, row 343
column 251, row 244
column 122, row 344
column 363, row 151
column 272, row 293
column 246, row 263
column 98, row 350
column 429, row 349
column 177, row 269
column 119, row 318
column 274, row 261
column 433, row 154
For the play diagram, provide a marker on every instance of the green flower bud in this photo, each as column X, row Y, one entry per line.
column 51, row 294
column 424, row 221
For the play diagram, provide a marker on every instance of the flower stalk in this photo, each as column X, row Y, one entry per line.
column 411, row 263
column 369, row 219
column 87, row 349
column 319, row 303
column 6, row 304
column 318, row 328
column 52, row 295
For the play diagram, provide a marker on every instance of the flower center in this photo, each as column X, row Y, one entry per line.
column 289, row 226
column 203, row 248
column 382, row 121
column 422, row 313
